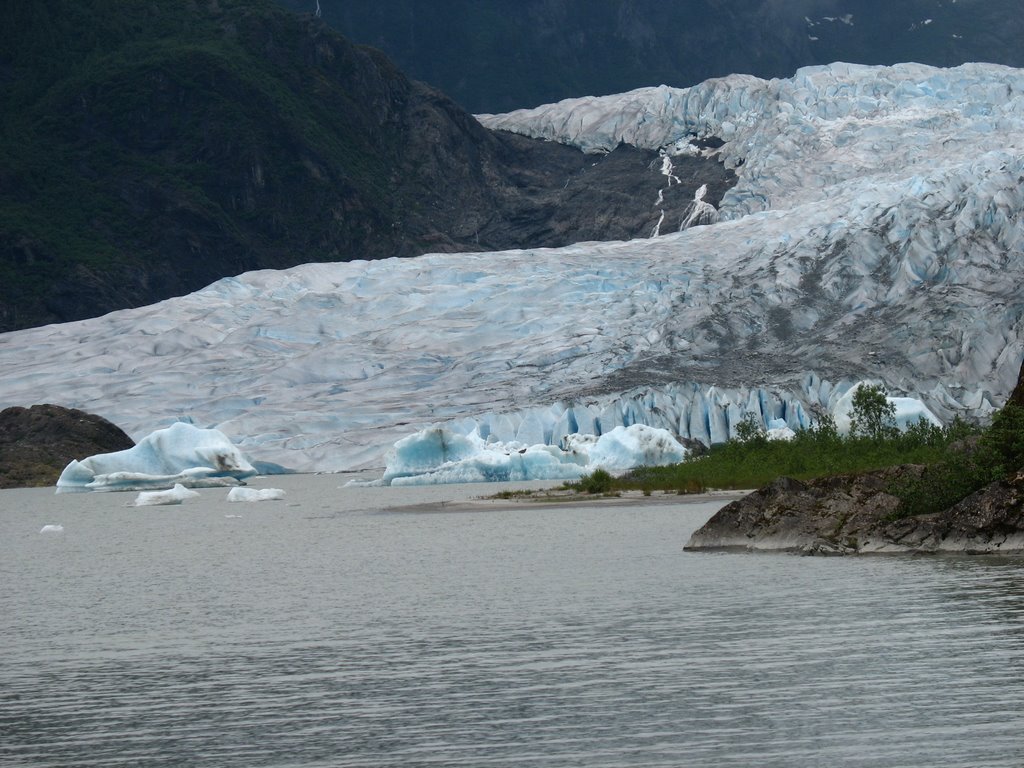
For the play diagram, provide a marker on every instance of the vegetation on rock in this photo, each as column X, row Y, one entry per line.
column 927, row 489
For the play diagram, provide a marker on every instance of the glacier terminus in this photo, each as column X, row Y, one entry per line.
column 875, row 233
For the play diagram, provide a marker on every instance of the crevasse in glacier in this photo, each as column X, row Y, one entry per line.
column 875, row 233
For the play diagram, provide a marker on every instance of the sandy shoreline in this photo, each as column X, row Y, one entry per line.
column 625, row 498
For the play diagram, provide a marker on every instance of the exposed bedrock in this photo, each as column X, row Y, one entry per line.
column 851, row 514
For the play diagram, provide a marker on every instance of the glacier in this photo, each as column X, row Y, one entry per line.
column 875, row 233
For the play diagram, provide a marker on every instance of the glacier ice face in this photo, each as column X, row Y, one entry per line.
column 875, row 233
column 180, row 454
column 438, row 455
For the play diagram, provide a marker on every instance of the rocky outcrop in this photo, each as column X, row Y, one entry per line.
column 37, row 443
column 850, row 514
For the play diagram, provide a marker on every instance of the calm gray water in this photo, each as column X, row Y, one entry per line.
column 322, row 631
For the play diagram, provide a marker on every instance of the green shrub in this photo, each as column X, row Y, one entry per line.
column 598, row 481
column 939, row 487
column 1002, row 445
column 750, row 430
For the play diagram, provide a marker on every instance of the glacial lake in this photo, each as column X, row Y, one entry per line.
column 345, row 627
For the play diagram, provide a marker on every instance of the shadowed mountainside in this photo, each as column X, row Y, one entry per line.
column 148, row 151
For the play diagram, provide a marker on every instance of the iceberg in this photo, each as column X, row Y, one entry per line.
column 175, row 495
column 180, row 454
column 52, row 529
column 437, row 455
column 779, row 430
column 254, row 494
column 876, row 232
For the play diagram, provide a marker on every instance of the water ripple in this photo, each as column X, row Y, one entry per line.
column 576, row 637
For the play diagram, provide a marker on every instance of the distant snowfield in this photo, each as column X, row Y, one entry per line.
column 875, row 232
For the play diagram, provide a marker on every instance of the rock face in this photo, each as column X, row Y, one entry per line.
column 850, row 514
column 37, row 443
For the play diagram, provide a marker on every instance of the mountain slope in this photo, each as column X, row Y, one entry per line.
column 496, row 55
column 148, row 151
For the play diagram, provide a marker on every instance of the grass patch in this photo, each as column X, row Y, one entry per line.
column 597, row 482
column 815, row 452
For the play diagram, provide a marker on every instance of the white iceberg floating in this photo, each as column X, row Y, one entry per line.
column 180, row 454
column 253, row 494
column 438, row 455
column 52, row 529
column 175, row 495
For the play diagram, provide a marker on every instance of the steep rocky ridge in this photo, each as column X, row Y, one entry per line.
column 148, row 151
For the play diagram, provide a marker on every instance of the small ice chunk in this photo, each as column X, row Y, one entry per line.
column 253, row 494
column 780, row 433
column 175, row 495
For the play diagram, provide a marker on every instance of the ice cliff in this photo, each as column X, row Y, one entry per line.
column 875, row 233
